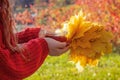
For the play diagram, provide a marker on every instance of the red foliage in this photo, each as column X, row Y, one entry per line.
column 54, row 17
column 106, row 12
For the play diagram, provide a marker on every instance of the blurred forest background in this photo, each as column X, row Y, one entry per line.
column 50, row 14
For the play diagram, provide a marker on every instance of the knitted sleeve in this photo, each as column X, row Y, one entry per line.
column 17, row 66
column 27, row 34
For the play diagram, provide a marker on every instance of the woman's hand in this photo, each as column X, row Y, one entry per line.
column 43, row 33
column 56, row 48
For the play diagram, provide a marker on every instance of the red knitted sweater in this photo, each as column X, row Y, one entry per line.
column 13, row 66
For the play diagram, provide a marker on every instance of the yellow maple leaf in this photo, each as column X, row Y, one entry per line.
column 89, row 41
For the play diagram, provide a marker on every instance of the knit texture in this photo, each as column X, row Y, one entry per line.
column 17, row 66
column 27, row 34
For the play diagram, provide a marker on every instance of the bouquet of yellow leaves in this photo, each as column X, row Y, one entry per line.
column 89, row 41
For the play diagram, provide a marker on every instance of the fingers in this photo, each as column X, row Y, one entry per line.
column 49, row 34
column 61, row 51
column 61, row 45
column 56, row 48
column 42, row 33
column 58, row 52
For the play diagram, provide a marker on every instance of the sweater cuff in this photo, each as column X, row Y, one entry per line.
column 28, row 34
column 44, row 44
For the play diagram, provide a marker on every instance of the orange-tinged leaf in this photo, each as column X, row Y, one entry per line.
column 89, row 41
